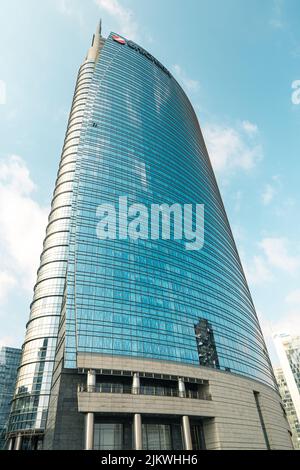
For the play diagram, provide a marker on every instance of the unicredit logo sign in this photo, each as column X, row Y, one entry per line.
column 118, row 39
column 142, row 51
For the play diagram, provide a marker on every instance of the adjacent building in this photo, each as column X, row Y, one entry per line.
column 9, row 363
column 289, row 407
column 136, row 341
column 288, row 378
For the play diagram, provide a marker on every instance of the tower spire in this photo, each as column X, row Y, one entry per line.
column 98, row 28
column 95, row 47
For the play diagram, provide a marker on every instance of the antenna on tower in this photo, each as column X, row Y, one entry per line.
column 93, row 51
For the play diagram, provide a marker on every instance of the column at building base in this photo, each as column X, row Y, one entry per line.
column 137, row 432
column 10, row 444
column 18, row 442
column 187, row 438
column 89, row 431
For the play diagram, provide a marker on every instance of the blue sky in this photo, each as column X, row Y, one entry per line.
column 237, row 61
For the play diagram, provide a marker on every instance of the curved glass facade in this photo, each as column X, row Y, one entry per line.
column 31, row 398
column 141, row 139
column 133, row 132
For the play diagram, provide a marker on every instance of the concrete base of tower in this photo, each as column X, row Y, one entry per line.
column 148, row 404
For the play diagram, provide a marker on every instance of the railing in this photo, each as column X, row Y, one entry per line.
column 144, row 390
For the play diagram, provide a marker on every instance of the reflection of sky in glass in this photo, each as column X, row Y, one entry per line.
column 143, row 298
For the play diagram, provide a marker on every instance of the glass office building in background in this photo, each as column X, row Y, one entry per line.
column 288, row 378
column 289, row 406
column 140, row 343
column 9, row 363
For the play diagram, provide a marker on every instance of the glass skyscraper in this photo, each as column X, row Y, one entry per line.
column 289, row 406
column 288, row 378
column 135, row 343
column 9, row 363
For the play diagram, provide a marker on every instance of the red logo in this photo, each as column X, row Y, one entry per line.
column 118, row 39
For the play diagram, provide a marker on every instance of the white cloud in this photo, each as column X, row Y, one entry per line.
column 7, row 281
column 229, row 149
column 276, row 252
column 268, row 194
column 276, row 23
column 293, row 297
column 276, row 20
column 258, row 271
column 22, row 222
column 270, row 190
column 288, row 323
column 188, row 83
column 249, row 127
column 2, row 92
column 9, row 341
column 123, row 16
column 65, row 7
column 14, row 176
column 72, row 9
